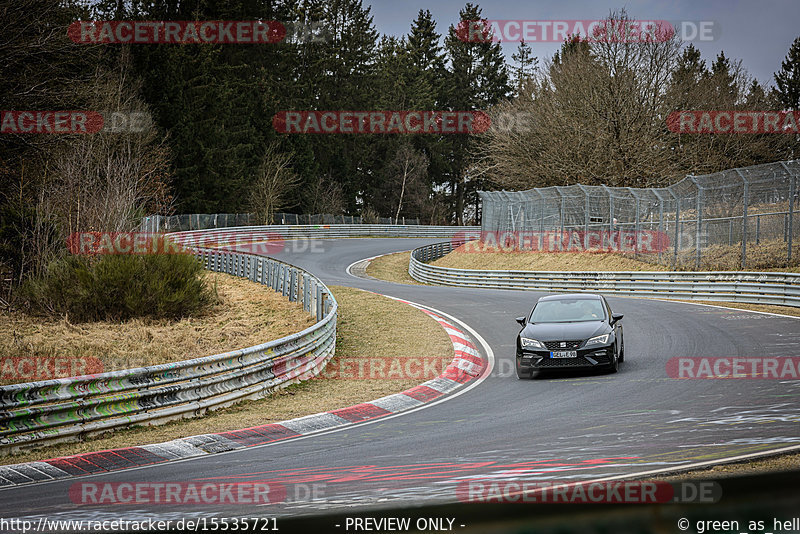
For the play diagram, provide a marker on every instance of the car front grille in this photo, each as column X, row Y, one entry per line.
column 601, row 357
column 556, row 345
column 564, row 362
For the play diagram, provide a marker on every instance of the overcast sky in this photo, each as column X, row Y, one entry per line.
column 757, row 32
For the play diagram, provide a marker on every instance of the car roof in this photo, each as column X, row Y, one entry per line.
column 573, row 296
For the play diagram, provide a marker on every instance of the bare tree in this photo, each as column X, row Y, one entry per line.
column 104, row 181
column 593, row 116
column 407, row 172
column 324, row 196
column 274, row 182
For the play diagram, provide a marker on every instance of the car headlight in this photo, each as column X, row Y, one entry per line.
column 528, row 343
column 598, row 340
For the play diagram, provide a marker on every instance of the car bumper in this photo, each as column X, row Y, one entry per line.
column 587, row 358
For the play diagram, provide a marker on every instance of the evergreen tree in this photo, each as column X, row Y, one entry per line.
column 526, row 64
column 788, row 78
column 477, row 80
column 429, row 75
column 723, row 80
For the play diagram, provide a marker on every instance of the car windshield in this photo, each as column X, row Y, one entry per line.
column 567, row 310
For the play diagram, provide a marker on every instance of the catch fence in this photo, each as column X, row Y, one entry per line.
column 736, row 214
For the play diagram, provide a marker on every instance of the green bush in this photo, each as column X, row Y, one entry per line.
column 120, row 287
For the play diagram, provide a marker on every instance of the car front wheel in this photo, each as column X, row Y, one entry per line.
column 521, row 375
column 614, row 362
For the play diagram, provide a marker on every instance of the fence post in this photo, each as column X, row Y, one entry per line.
column 790, row 215
column 561, row 219
column 635, row 223
column 677, row 226
column 541, row 217
column 758, row 229
column 746, row 202
column 698, row 221
column 610, row 211
column 660, row 220
column 585, row 218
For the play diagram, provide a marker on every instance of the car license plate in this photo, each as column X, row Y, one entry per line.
column 564, row 354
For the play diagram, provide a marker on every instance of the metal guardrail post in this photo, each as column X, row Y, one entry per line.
column 306, row 293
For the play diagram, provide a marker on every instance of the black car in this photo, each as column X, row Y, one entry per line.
column 569, row 332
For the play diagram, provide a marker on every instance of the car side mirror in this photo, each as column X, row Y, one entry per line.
column 521, row 321
column 616, row 317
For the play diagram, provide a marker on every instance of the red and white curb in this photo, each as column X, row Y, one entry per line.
column 467, row 366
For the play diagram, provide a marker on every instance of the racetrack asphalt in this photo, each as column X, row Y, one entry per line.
column 564, row 427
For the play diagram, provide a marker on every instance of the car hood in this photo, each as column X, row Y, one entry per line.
column 564, row 331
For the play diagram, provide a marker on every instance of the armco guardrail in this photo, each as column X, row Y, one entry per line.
column 59, row 410
column 322, row 231
column 747, row 287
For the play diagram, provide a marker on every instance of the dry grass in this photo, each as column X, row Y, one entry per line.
column 463, row 258
column 246, row 315
column 392, row 268
column 768, row 256
column 362, row 333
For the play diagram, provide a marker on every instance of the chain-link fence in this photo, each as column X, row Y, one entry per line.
column 202, row 221
column 735, row 218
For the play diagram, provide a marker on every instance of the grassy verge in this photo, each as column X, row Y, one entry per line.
column 392, row 268
column 769, row 256
column 245, row 315
column 543, row 261
column 362, row 335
